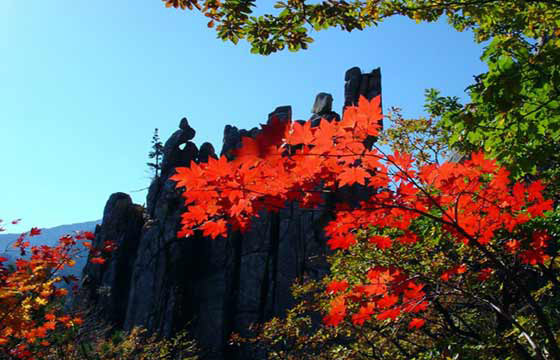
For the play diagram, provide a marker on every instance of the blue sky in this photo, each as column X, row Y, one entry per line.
column 83, row 84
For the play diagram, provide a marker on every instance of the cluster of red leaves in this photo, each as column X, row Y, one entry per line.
column 290, row 161
column 263, row 177
column 534, row 254
column 27, row 292
column 388, row 294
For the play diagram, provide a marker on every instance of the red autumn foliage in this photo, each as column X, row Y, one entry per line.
column 288, row 161
column 28, row 314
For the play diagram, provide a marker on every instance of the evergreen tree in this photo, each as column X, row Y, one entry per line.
column 156, row 154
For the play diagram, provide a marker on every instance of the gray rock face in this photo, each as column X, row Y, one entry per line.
column 205, row 152
column 210, row 287
column 282, row 113
column 322, row 109
column 177, row 151
column 358, row 84
column 108, row 285
column 189, row 131
column 322, row 104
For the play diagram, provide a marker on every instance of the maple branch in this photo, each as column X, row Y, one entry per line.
column 550, row 274
column 443, row 199
column 516, row 324
column 367, row 340
column 451, row 323
column 506, row 316
column 541, row 318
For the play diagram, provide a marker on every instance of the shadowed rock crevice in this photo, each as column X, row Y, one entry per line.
column 210, row 287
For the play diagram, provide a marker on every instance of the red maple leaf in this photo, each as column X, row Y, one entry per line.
column 457, row 270
column 382, row 242
column 214, row 228
column 299, row 134
column 533, row 257
column 363, row 314
column 512, row 246
column 97, row 260
column 485, row 274
column 342, row 241
column 446, row 275
column 408, row 238
column 402, row 161
column 337, row 312
column 337, row 286
column 389, row 314
column 535, row 191
column 414, row 291
column 486, row 166
column 416, row 323
column 461, row 269
column 387, row 301
column 218, row 168
column 353, row 175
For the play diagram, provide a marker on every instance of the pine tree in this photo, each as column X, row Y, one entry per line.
column 156, row 154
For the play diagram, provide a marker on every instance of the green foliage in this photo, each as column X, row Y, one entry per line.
column 136, row 344
column 290, row 25
column 423, row 138
column 514, row 113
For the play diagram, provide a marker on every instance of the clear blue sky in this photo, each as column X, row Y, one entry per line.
column 84, row 83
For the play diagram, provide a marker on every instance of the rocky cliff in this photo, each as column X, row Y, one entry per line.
column 211, row 287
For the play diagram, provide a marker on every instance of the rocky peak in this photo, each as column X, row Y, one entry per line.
column 210, row 287
column 322, row 109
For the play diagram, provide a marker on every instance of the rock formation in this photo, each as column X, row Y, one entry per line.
column 108, row 286
column 358, row 84
column 211, row 287
column 322, row 109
